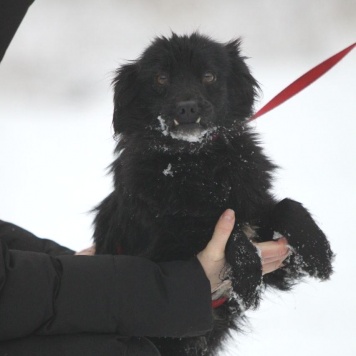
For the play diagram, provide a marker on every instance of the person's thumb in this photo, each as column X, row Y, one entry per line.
column 223, row 229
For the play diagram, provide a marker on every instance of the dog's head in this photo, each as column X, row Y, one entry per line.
column 183, row 90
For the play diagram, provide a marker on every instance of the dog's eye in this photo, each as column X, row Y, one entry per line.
column 209, row 78
column 162, row 79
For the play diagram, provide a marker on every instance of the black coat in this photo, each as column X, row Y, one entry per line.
column 94, row 305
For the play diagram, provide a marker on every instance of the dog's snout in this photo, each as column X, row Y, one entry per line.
column 187, row 112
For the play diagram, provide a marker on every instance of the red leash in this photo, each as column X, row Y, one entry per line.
column 302, row 82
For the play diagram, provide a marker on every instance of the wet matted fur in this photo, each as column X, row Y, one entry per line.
column 185, row 154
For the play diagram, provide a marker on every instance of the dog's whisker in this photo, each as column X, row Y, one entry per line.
column 176, row 122
column 198, row 120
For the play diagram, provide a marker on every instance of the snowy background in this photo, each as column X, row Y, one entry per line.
column 56, row 134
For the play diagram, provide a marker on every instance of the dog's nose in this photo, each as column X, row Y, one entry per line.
column 187, row 112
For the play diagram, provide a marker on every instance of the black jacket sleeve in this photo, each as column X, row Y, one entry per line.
column 11, row 14
column 17, row 238
column 101, row 294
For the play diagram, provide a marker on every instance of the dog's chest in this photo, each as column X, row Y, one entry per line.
column 176, row 185
column 196, row 178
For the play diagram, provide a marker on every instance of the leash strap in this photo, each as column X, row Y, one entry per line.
column 302, row 82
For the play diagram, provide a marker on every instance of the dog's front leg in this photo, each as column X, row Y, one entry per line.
column 246, row 269
column 311, row 250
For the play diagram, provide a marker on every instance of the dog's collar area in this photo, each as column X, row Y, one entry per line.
column 214, row 136
column 223, row 292
column 218, row 302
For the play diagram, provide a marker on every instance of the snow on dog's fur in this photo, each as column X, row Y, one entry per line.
column 185, row 154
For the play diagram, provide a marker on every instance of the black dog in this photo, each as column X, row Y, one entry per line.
column 185, row 154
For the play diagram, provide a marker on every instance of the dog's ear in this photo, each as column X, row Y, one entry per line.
column 125, row 90
column 242, row 85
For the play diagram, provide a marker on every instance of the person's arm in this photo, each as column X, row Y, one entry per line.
column 101, row 294
column 116, row 294
column 12, row 13
column 17, row 238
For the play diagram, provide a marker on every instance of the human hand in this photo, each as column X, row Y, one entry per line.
column 272, row 254
column 90, row 251
column 212, row 258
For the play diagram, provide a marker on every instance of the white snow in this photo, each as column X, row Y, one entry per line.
column 277, row 235
column 163, row 125
column 168, row 171
column 259, row 252
column 189, row 137
column 195, row 136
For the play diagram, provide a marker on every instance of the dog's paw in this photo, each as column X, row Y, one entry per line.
column 286, row 277
column 246, row 269
column 311, row 250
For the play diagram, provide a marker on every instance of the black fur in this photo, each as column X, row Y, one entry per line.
column 169, row 192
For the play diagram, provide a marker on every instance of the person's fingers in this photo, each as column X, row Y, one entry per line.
column 275, row 258
column 90, row 251
column 223, row 229
column 273, row 249
column 212, row 258
column 271, row 267
column 273, row 253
